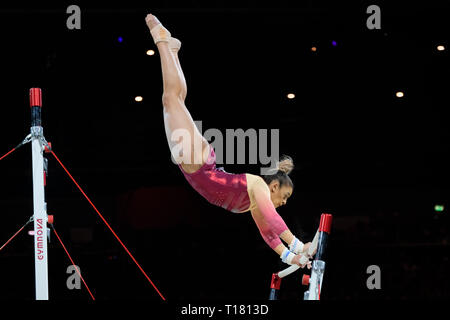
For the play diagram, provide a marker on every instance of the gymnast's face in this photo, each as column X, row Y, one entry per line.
column 279, row 195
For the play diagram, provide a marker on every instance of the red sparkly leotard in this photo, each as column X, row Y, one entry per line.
column 235, row 193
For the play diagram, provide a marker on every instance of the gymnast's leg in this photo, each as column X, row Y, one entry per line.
column 178, row 122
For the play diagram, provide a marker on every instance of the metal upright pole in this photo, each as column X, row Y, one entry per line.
column 39, row 206
column 318, row 265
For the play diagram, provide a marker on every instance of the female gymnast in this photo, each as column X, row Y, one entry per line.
column 234, row 192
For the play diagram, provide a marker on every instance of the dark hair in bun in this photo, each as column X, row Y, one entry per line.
column 281, row 172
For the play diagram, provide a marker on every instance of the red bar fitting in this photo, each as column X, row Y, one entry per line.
column 276, row 282
column 35, row 97
column 50, row 219
column 305, row 280
column 45, row 179
column 325, row 222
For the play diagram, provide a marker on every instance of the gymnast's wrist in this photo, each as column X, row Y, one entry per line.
column 287, row 256
column 296, row 246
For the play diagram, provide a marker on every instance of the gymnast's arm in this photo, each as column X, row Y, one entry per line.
column 269, row 236
column 274, row 242
column 265, row 212
column 270, row 224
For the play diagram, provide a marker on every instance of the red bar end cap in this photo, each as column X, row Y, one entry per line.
column 50, row 219
column 35, row 97
column 276, row 282
column 325, row 222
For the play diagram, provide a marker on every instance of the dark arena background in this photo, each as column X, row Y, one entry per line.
column 368, row 130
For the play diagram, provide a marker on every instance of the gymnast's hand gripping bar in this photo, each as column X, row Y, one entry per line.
column 303, row 259
column 319, row 243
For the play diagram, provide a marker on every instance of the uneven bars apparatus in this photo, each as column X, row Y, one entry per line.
column 318, row 267
column 40, row 217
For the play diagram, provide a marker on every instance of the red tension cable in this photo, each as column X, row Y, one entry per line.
column 73, row 263
column 8, row 153
column 14, row 235
column 109, row 227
